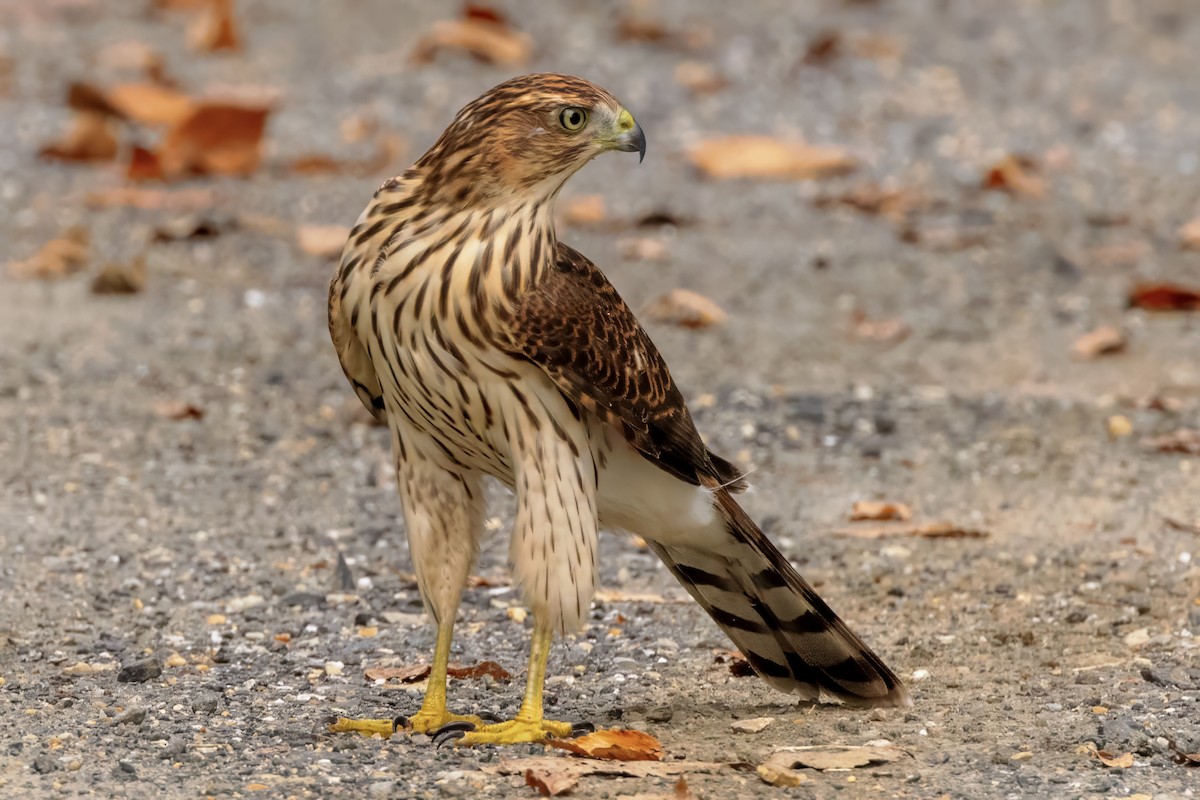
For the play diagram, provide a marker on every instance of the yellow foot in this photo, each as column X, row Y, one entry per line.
column 515, row 731
column 421, row 722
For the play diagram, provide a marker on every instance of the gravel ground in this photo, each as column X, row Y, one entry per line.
column 174, row 620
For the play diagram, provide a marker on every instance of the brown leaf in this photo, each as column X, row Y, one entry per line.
column 871, row 198
column 65, row 255
column 872, row 510
column 1180, row 525
column 1113, row 760
column 1165, row 297
column 410, row 674
column 765, row 157
column 389, row 147
column 121, row 278
column 584, row 210
column 700, row 78
column 739, row 667
column 215, row 29
column 149, row 103
column 482, row 33
column 879, row 330
column 1185, row 441
column 477, row 671
column 482, row 581
column 780, row 768
column 643, row 248
column 1105, row 340
column 639, row 28
column 550, row 784
column 686, row 309
column 326, row 241
column 215, row 138
column 1016, row 175
column 824, row 48
column 178, row 410
column 927, row 530
column 1189, row 235
column 144, row 165
column 613, row 745
column 90, row 137
column 152, row 199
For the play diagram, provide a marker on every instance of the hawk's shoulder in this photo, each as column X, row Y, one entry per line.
column 574, row 325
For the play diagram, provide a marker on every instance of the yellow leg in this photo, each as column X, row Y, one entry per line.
column 529, row 724
column 433, row 713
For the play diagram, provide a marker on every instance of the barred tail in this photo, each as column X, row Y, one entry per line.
column 789, row 635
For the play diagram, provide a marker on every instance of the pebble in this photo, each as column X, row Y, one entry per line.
column 239, row 604
column 140, row 671
column 660, row 714
column 382, row 789
column 206, row 703
column 131, row 716
column 920, row 675
column 755, row 725
column 175, row 660
column 1137, row 638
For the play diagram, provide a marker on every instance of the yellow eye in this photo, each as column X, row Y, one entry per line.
column 572, row 118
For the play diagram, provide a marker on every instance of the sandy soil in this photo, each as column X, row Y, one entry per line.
column 128, row 537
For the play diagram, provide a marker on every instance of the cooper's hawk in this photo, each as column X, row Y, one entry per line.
column 488, row 347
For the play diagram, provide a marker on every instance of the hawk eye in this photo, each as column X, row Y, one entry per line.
column 572, row 118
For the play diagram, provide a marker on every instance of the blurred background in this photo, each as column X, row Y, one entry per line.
column 938, row 254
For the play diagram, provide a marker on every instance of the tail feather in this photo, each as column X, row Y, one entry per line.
column 791, row 638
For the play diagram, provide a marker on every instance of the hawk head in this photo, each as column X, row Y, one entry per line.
column 524, row 138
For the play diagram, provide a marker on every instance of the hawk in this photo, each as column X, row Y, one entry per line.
column 490, row 348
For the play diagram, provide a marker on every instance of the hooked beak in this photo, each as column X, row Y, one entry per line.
column 630, row 138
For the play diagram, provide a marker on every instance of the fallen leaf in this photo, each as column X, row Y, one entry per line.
column 477, row 671
column 149, row 103
column 1180, row 525
column 780, row 768
column 685, row 308
column 1185, row 441
column 654, row 219
column 62, row 256
column 178, row 410
column 640, row 28
column 887, row 330
column 215, row 29
column 1126, row 253
column 700, row 78
column 482, row 33
column 1118, row 426
column 824, row 48
column 1189, row 235
column 215, row 138
column 389, row 147
column 643, row 248
column 585, row 210
column 1015, row 174
column 90, row 137
column 1104, row 340
column 410, row 674
column 928, row 530
column 483, row 581
column 871, row 198
column 192, row 226
column 613, row 745
column 1165, row 297
column 144, row 165
column 767, row 157
column 1110, row 759
column 326, row 241
column 550, row 784
column 152, row 199
column 873, row 510
column 116, row 278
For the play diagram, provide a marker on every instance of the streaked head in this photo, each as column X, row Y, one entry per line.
column 525, row 137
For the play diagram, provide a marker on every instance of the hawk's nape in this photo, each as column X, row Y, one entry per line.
column 491, row 349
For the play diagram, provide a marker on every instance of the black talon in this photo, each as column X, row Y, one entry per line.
column 400, row 722
column 580, row 728
column 457, row 726
column 443, row 736
column 488, row 716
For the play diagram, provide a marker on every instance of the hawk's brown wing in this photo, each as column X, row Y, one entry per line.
column 575, row 326
column 355, row 361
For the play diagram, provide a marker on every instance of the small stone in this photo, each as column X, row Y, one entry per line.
column 127, row 767
column 140, row 671
column 206, row 703
column 381, row 789
column 175, row 660
column 238, row 604
column 1053, row 707
column 304, row 600
column 44, row 764
column 920, row 675
column 756, row 725
column 516, row 614
column 333, row 668
column 660, row 714
column 215, row 619
column 1135, row 639
column 131, row 716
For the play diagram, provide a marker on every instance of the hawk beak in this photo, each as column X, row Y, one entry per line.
column 630, row 139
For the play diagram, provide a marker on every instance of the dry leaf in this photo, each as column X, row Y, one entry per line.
column 871, row 198
column 152, row 199
column 178, row 410
column 65, row 255
column 1015, row 174
column 767, row 157
column 1189, row 235
column 144, row 165
column 1180, row 525
column 192, row 226
column 642, row 248
column 90, row 137
column 215, row 138
column 215, row 29
column 872, row 510
column 1165, row 297
column 149, row 103
column 121, row 278
column 326, row 241
column 638, row 28
column 928, row 530
column 824, row 757
column 613, row 745
column 1110, row 759
column 483, row 33
column 1185, row 441
column 700, row 78
column 389, row 148
column 686, row 309
column 1105, row 340
column 879, row 330
column 410, row 674
column 824, row 48
column 477, row 671
column 585, row 210
column 550, row 784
